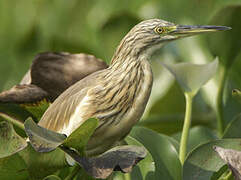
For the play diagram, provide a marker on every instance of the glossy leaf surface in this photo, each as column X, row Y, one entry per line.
column 13, row 167
column 10, row 141
column 192, row 76
column 233, row 129
column 163, row 152
column 203, row 161
column 43, row 140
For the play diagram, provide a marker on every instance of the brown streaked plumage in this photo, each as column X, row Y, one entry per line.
column 118, row 95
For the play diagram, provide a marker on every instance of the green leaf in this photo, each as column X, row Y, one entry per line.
column 197, row 135
column 14, row 110
column 63, row 173
column 233, row 129
column 40, row 165
column 236, row 94
column 226, row 45
column 222, row 172
column 79, row 138
column 24, row 100
column 203, row 161
column 10, row 141
column 17, row 123
column 42, row 140
column 52, row 177
column 13, row 167
column 163, row 152
column 191, row 77
column 37, row 109
column 144, row 168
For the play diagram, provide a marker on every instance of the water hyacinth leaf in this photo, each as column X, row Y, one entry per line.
column 37, row 109
column 52, row 177
column 163, row 152
column 232, row 158
column 42, row 140
column 221, row 173
column 203, row 161
column 191, row 171
column 24, row 100
column 63, row 173
column 233, row 128
column 40, row 165
column 15, row 111
column 174, row 142
column 13, row 167
column 18, row 124
column 236, row 94
column 146, row 166
column 191, row 77
column 10, row 141
column 120, row 158
column 197, row 135
column 79, row 138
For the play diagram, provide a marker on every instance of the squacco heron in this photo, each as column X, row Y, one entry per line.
column 118, row 95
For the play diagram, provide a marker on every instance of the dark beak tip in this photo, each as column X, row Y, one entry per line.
column 228, row 28
column 218, row 28
column 224, row 28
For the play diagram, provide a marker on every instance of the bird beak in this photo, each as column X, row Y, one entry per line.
column 186, row 30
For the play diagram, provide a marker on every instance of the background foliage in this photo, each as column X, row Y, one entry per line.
column 96, row 27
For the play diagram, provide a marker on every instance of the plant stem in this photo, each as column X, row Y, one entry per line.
column 219, row 107
column 186, row 127
column 73, row 173
column 228, row 176
column 12, row 120
column 127, row 176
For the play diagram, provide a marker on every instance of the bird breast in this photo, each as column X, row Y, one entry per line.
column 120, row 104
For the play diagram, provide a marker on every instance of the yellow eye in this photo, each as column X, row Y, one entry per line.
column 159, row 30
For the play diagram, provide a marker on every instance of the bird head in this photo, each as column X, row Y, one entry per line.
column 152, row 34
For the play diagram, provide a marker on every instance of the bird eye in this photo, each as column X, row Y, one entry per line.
column 159, row 30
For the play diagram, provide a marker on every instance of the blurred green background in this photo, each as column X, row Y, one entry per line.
column 28, row 27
